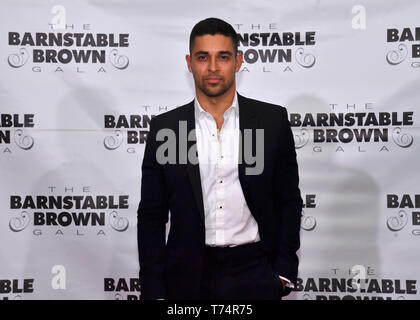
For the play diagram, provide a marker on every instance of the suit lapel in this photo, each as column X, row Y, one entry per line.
column 247, row 120
column 193, row 170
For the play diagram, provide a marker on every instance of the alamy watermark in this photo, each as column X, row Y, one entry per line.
column 166, row 153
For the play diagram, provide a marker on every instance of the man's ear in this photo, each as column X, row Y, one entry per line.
column 239, row 59
column 188, row 59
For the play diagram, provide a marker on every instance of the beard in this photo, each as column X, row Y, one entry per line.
column 214, row 91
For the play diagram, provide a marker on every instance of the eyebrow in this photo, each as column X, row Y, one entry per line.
column 229, row 53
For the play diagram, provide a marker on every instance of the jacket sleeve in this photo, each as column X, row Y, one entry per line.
column 152, row 216
column 289, row 205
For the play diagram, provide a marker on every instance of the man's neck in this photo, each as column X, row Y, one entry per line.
column 216, row 106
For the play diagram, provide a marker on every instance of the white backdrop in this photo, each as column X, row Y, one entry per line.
column 57, row 137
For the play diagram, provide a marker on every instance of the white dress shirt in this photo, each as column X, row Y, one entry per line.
column 228, row 220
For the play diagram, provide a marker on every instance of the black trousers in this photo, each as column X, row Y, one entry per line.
column 239, row 273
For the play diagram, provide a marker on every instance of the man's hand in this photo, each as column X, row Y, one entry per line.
column 283, row 284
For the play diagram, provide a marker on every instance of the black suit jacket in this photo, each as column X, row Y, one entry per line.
column 172, row 270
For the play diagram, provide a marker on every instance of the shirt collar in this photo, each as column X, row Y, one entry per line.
column 199, row 111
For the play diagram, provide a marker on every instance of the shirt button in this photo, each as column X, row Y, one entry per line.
column 221, row 181
column 220, row 207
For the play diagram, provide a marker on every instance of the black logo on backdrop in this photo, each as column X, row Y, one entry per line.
column 123, row 288
column 408, row 47
column 366, row 127
column 68, row 213
column 408, row 212
column 342, row 289
column 356, row 283
column 266, row 46
column 14, row 289
column 128, row 131
column 308, row 223
column 67, row 44
column 13, row 131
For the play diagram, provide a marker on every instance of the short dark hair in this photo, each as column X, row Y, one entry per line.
column 214, row 26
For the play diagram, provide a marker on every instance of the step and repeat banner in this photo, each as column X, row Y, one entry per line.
column 80, row 81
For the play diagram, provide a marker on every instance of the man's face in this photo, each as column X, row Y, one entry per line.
column 213, row 64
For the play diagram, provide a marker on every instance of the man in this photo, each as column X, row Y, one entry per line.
column 234, row 227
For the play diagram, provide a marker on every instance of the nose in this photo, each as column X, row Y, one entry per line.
column 212, row 66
